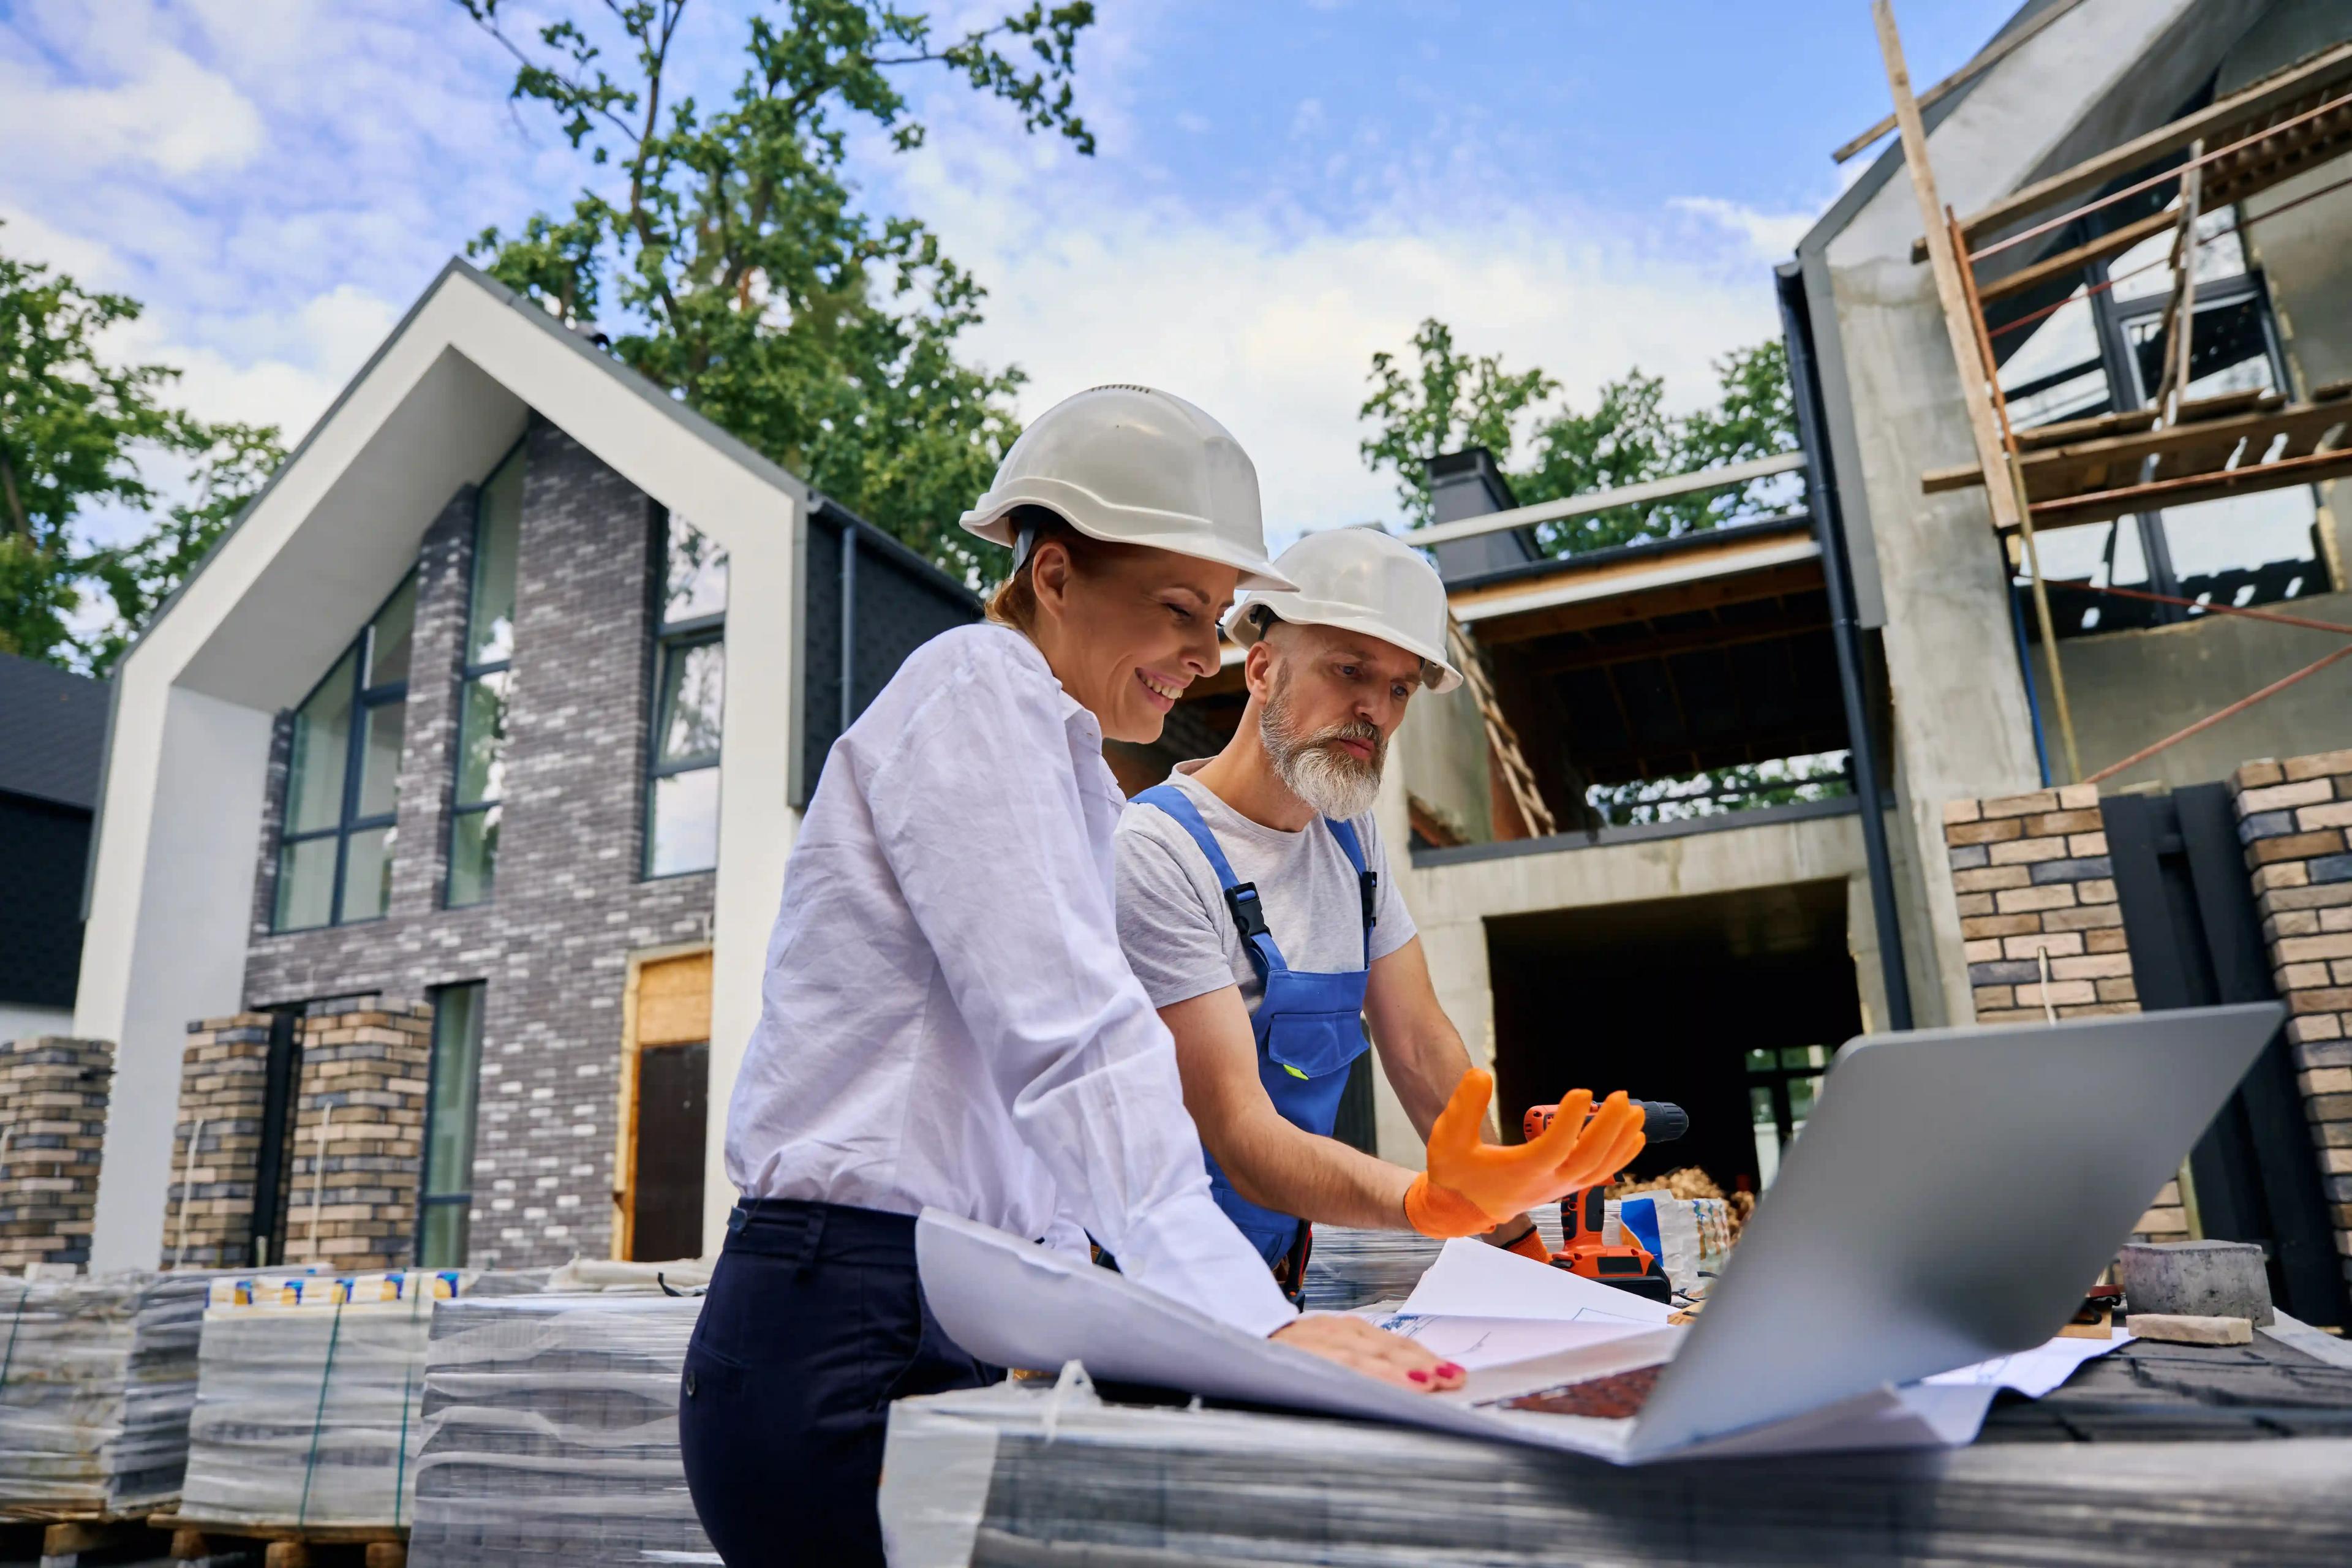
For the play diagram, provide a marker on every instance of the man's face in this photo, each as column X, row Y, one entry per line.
column 1331, row 700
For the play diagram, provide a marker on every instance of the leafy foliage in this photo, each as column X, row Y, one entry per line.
column 1740, row 787
column 72, row 429
column 1452, row 400
column 232, row 463
column 750, row 281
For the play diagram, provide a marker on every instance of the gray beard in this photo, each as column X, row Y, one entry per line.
column 1314, row 768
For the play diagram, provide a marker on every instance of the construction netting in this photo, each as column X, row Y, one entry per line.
column 550, row 1432
column 96, row 1382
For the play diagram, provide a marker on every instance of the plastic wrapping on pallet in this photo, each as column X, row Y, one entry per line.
column 96, row 1382
column 550, row 1432
column 1348, row 1268
column 308, row 1394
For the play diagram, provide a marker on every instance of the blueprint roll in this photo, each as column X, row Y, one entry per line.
column 550, row 1432
column 96, row 1383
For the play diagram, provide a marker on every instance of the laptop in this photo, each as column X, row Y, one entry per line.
column 1952, row 1195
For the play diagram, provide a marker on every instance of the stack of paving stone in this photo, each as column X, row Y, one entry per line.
column 1348, row 1268
column 307, row 1397
column 95, row 1383
column 550, row 1432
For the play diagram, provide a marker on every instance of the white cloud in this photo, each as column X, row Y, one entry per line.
column 1770, row 235
column 164, row 111
column 1269, row 322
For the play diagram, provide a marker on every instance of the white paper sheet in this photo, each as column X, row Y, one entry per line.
column 1012, row 1302
column 2033, row 1372
column 1477, row 1342
column 1472, row 1279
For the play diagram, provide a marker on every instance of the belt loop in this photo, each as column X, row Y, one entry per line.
column 812, row 1234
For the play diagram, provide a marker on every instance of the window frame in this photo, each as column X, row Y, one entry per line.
column 469, row 672
column 426, row 1199
column 365, row 701
column 672, row 640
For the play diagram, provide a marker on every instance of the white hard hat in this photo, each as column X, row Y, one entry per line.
column 1135, row 466
column 1363, row 581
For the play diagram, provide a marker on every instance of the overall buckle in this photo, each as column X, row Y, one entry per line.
column 1249, row 910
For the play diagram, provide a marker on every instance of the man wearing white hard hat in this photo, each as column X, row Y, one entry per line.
column 1254, row 905
column 946, row 1018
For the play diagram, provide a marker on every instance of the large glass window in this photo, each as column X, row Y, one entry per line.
column 1781, row 1088
column 334, row 855
column 689, row 693
column 446, row 1200
column 488, row 685
column 2104, row 350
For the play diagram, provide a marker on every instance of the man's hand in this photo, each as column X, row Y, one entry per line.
column 1360, row 1347
column 1469, row 1177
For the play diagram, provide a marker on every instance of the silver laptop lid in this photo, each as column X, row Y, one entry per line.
column 1952, row 1195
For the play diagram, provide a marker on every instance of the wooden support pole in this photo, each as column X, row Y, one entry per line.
column 1964, row 324
column 2181, row 311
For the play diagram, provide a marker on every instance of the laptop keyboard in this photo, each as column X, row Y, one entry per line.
column 1618, row 1395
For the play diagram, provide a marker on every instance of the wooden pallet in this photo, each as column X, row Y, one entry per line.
column 287, row 1545
column 61, row 1536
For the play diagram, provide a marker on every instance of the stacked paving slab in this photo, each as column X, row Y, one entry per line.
column 223, row 1074
column 53, row 1097
column 2294, row 818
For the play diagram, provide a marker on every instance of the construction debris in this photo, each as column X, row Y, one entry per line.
column 2197, row 1279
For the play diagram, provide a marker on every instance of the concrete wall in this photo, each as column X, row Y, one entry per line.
column 1451, row 905
column 1441, row 750
column 2132, row 688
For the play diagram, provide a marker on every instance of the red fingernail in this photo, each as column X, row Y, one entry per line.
column 1418, row 1375
column 1448, row 1369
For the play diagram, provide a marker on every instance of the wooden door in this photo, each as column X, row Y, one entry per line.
column 672, row 1091
column 669, row 1115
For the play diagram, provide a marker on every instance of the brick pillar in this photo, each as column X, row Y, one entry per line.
column 2294, row 817
column 53, row 1094
column 223, row 1083
column 2032, row 875
column 364, row 1078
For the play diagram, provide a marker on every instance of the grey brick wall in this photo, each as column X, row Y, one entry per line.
column 552, row 942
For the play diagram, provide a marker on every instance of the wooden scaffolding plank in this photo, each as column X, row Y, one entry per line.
column 2225, row 120
column 2074, row 468
column 2101, row 506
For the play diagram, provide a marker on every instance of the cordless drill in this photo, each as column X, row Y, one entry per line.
column 1627, row 1264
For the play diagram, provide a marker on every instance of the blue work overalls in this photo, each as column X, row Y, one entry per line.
column 1309, row 1028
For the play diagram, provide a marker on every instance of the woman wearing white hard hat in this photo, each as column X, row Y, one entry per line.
column 947, row 1018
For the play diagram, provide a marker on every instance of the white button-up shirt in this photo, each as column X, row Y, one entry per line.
column 947, row 1019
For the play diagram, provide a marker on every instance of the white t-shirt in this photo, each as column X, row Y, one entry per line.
column 1178, row 931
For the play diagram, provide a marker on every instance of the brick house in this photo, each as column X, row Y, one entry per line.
column 447, row 810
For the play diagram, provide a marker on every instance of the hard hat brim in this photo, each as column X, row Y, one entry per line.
column 991, row 521
column 1244, row 629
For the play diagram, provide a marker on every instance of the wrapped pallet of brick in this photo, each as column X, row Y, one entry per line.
column 309, row 1392
column 550, row 1432
column 96, row 1381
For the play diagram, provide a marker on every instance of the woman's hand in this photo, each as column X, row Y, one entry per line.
column 1360, row 1347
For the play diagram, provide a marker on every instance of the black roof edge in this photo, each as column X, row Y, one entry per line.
column 1784, row 522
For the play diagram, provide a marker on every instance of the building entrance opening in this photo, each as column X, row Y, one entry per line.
column 1728, row 1004
column 666, row 1078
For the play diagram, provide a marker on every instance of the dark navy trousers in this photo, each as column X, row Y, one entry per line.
column 814, row 1322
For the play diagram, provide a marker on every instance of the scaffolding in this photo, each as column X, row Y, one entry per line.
column 2176, row 451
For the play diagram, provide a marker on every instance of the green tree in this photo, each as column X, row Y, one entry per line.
column 1451, row 400
column 731, row 244
column 1447, row 402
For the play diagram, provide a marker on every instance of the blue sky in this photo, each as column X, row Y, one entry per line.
column 1284, row 186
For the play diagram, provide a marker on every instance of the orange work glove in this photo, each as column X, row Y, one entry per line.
column 1531, row 1246
column 1441, row 1212
column 1567, row 1156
